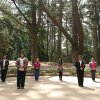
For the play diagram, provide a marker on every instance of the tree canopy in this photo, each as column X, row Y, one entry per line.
column 50, row 29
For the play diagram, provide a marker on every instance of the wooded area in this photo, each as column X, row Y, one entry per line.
column 50, row 29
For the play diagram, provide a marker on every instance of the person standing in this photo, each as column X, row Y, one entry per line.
column 36, row 69
column 80, row 65
column 60, row 69
column 4, row 63
column 21, row 64
column 93, row 65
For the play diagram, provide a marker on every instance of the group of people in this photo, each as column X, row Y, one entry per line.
column 80, row 66
column 22, row 63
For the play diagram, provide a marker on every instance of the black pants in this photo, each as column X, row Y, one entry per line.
column 60, row 75
column 80, row 76
column 93, row 74
column 3, row 75
column 21, row 78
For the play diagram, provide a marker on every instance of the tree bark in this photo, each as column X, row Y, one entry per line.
column 56, row 23
column 77, row 31
column 33, row 32
column 77, row 28
column 59, row 32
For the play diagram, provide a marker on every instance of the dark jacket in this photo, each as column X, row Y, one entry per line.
column 77, row 65
column 6, row 64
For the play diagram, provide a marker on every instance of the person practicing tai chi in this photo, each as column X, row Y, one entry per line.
column 21, row 64
column 93, row 65
column 37, row 69
column 80, row 65
column 4, row 63
column 60, row 69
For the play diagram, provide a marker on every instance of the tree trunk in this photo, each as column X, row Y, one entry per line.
column 54, row 31
column 33, row 30
column 77, row 31
column 34, row 47
column 59, row 32
column 95, row 32
column 95, row 40
column 47, row 45
column 78, row 26
column 98, row 38
column 98, row 31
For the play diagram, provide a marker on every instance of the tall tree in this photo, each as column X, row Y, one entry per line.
column 31, row 26
column 59, row 32
column 79, row 29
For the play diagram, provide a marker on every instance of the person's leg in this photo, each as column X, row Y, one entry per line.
column 23, row 74
column 78, row 77
column 93, row 75
column 36, row 74
column 2, row 75
column 60, row 75
column 5, row 72
column 18, row 79
column 82, row 77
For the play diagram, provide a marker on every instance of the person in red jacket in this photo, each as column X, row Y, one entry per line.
column 93, row 65
column 36, row 69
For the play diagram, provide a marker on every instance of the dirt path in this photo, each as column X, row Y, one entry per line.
column 50, row 88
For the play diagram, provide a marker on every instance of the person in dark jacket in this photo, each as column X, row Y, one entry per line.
column 80, row 65
column 60, row 69
column 21, row 64
column 4, row 63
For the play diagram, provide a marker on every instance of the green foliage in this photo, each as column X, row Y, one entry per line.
column 87, row 54
column 42, row 44
column 14, row 37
